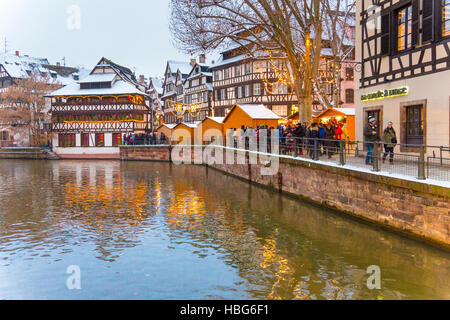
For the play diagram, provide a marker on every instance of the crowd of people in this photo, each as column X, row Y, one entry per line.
column 145, row 139
column 315, row 140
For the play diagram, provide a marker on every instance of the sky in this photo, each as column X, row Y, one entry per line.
column 132, row 33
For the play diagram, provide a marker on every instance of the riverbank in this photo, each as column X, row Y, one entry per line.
column 27, row 153
column 414, row 208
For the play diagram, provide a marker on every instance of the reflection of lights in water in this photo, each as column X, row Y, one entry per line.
column 273, row 260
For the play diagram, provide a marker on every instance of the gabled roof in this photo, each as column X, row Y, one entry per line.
column 342, row 111
column 255, row 111
column 192, row 125
column 168, row 125
column 184, row 67
column 216, row 119
column 123, row 85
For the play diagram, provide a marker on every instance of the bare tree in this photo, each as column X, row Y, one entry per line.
column 339, row 23
column 290, row 30
column 24, row 105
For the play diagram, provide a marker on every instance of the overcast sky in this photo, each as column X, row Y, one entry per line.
column 133, row 33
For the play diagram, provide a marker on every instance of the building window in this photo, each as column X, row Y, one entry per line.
column 85, row 140
column 445, row 18
column 237, row 71
column 66, row 140
column 226, row 73
column 216, row 76
column 248, row 68
column 404, row 28
column 116, row 139
column 99, row 140
column 257, row 89
column 247, row 90
column 349, row 96
column 349, row 75
column 239, row 92
column 223, row 94
column 414, row 125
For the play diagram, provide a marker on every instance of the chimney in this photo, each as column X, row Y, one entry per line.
column 202, row 58
column 17, row 53
column 142, row 79
column 193, row 62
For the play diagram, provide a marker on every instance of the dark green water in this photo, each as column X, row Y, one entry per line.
column 155, row 231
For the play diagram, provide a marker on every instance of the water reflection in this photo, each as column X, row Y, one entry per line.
column 202, row 234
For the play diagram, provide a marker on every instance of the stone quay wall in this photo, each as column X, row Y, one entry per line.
column 413, row 208
column 24, row 153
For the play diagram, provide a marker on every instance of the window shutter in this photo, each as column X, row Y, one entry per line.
column 386, row 34
column 415, row 22
column 438, row 19
column 428, row 21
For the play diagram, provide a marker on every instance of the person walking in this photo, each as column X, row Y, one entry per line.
column 371, row 133
column 390, row 141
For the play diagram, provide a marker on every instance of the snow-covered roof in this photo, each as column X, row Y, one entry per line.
column 346, row 111
column 169, row 125
column 192, row 124
column 21, row 67
column 216, row 119
column 222, row 62
column 99, row 77
column 184, row 67
column 119, row 87
column 157, row 84
column 258, row 111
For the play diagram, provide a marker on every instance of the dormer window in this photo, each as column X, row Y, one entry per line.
column 95, row 85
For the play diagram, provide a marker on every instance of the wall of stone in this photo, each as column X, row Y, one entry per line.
column 23, row 154
column 145, row 153
column 413, row 208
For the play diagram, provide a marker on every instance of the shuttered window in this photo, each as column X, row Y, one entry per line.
column 386, row 34
column 427, row 21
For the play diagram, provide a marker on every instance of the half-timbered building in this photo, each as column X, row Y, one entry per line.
column 239, row 78
column 91, row 118
column 197, row 92
column 404, row 50
column 17, row 67
column 173, row 88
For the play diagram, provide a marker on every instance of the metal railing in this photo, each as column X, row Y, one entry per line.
column 414, row 161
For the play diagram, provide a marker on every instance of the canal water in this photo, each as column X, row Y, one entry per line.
column 137, row 230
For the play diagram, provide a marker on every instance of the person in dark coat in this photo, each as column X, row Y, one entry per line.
column 313, row 135
column 390, row 141
column 371, row 134
column 329, row 143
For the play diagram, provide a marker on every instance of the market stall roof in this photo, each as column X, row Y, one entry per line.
column 168, row 125
column 189, row 124
column 216, row 119
column 339, row 111
column 255, row 111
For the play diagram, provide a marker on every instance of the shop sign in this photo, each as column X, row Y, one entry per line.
column 384, row 94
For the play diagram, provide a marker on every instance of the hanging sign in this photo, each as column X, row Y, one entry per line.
column 384, row 94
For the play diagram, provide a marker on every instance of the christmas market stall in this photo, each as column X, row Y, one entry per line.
column 339, row 115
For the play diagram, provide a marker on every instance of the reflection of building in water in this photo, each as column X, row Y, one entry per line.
column 97, row 200
column 213, row 223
